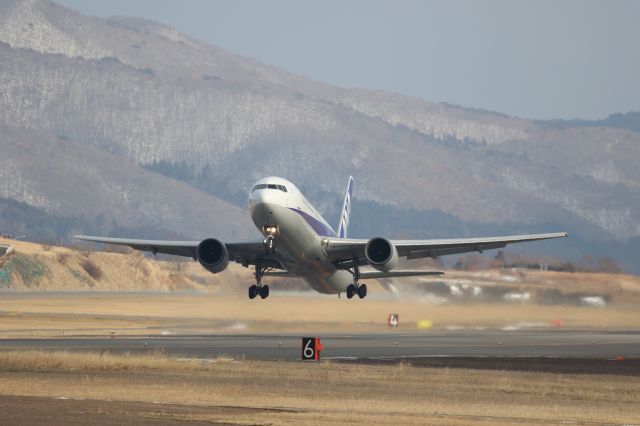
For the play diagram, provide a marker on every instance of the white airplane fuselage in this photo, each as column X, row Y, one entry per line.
column 298, row 242
column 299, row 231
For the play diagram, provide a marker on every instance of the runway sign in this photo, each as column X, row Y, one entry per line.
column 393, row 319
column 311, row 349
column 557, row 322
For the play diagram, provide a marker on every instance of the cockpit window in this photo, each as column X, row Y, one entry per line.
column 260, row 186
column 269, row 186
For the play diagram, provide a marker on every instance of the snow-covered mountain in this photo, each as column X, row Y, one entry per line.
column 131, row 121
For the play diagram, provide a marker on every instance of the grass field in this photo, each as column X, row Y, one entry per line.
column 323, row 393
column 80, row 388
column 37, row 315
column 218, row 302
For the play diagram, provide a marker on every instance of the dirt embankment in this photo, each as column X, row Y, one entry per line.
column 31, row 266
column 5, row 251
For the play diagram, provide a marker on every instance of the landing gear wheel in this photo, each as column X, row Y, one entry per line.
column 362, row 291
column 264, row 291
column 253, row 291
column 351, row 290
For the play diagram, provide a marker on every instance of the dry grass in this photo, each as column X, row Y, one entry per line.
column 18, row 324
column 32, row 360
column 328, row 393
column 71, row 314
column 62, row 360
column 224, row 301
column 92, row 269
column 62, row 257
column 74, row 269
column 324, row 393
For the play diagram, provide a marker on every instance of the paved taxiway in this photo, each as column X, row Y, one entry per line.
column 484, row 343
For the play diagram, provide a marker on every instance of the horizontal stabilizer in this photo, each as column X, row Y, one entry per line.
column 364, row 275
column 283, row 274
column 401, row 273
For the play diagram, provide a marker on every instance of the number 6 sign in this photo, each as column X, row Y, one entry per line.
column 311, row 348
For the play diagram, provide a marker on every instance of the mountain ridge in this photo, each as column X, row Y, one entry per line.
column 147, row 95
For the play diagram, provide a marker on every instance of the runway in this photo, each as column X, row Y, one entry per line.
column 391, row 345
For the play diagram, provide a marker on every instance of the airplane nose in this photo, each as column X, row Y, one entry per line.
column 261, row 214
column 258, row 197
column 269, row 197
column 258, row 204
column 266, row 196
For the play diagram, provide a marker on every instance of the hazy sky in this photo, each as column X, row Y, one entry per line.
column 534, row 59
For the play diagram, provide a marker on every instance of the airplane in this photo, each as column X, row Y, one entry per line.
column 298, row 242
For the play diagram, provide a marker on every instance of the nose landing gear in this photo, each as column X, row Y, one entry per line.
column 268, row 245
column 270, row 231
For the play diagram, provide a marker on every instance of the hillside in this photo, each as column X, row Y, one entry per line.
column 65, row 178
column 194, row 125
column 36, row 267
column 629, row 121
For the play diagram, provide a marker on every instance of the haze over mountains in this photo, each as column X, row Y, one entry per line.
column 123, row 126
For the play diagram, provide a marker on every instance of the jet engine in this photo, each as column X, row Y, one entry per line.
column 213, row 255
column 381, row 254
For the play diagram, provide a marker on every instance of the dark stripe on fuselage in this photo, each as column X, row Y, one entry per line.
column 320, row 228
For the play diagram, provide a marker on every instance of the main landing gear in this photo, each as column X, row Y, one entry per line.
column 356, row 287
column 269, row 248
column 360, row 290
column 258, row 289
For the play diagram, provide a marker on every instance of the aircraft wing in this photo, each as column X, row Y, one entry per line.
column 245, row 252
column 347, row 253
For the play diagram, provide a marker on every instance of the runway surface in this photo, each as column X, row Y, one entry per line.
column 484, row 343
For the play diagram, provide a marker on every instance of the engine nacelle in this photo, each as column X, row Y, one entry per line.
column 381, row 254
column 213, row 255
